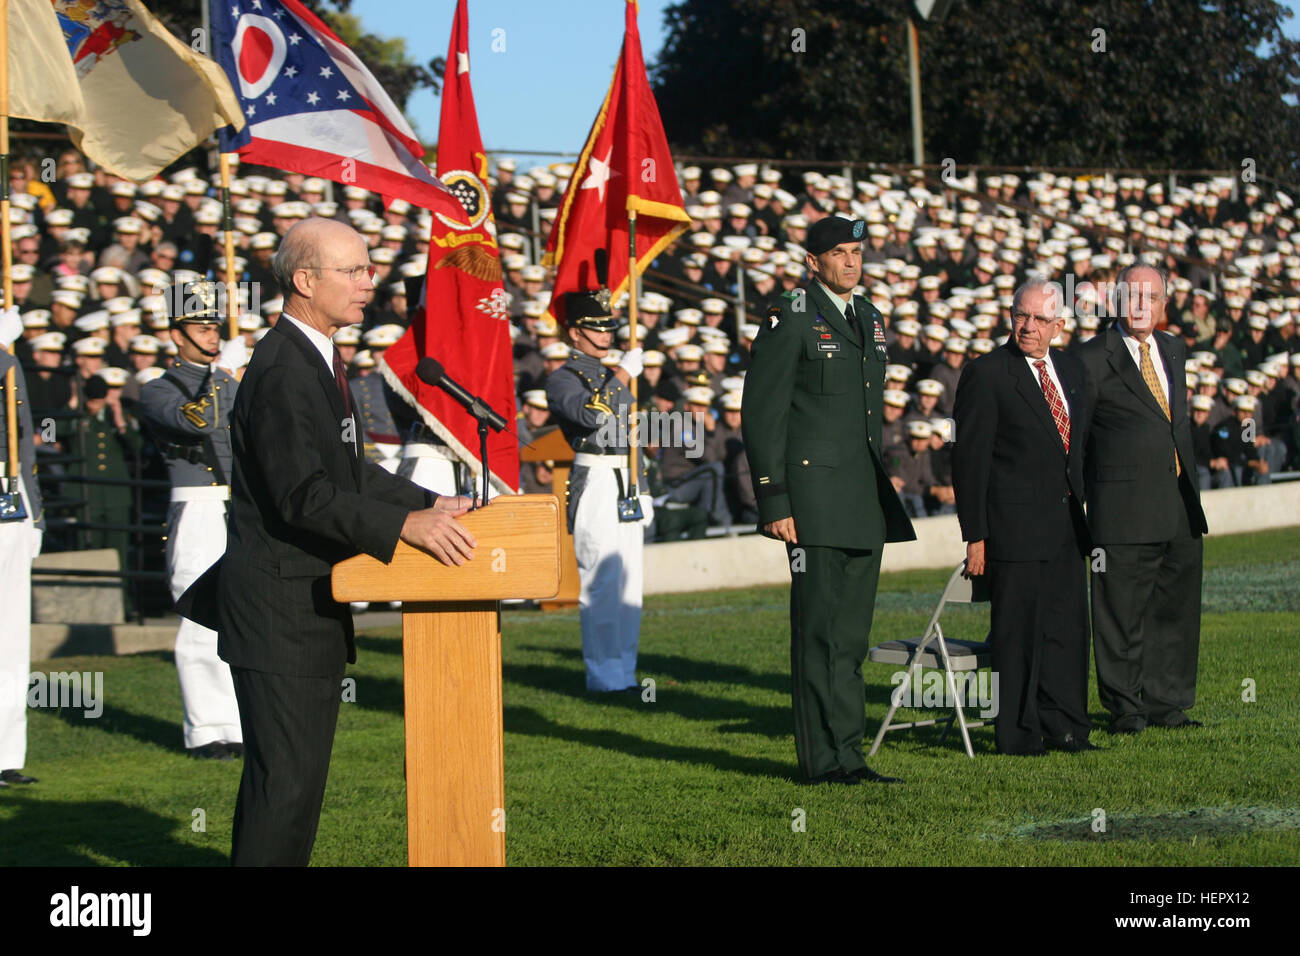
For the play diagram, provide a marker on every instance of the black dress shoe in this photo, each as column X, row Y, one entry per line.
column 1185, row 722
column 1069, row 743
column 835, row 776
column 1131, row 727
column 867, row 775
column 236, row 751
column 212, row 751
column 15, row 776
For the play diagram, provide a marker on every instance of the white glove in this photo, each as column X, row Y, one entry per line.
column 11, row 326
column 647, row 506
column 631, row 362
column 38, row 537
column 234, row 354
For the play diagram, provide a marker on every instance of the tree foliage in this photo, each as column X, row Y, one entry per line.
column 1121, row 83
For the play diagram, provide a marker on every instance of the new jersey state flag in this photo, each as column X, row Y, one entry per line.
column 464, row 322
column 625, row 166
column 312, row 107
column 134, row 98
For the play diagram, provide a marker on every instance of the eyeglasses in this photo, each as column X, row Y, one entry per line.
column 1026, row 318
column 354, row 273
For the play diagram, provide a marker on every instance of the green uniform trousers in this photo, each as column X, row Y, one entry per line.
column 832, row 599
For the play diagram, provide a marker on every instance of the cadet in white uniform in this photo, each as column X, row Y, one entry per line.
column 584, row 395
column 20, row 542
column 187, row 411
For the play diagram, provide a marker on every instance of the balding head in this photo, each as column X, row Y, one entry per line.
column 321, row 269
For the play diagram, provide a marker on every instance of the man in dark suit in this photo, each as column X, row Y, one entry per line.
column 1144, row 511
column 811, row 423
column 302, row 498
column 1022, row 414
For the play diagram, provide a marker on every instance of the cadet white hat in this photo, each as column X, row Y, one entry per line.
column 690, row 352
column 382, row 336
column 928, row 386
column 36, row 319
column 143, row 345
column 147, row 375
column 48, row 342
column 732, row 401
column 556, row 350
column 919, row 429
column 698, row 395
column 1245, row 403
column 895, row 397
column 653, row 358
column 114, row 376
column 90, row 347
column 536, row 397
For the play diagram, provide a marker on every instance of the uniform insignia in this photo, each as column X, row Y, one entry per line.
column 821, row 327
column 826, row 335
column 880, row 334
column 828, row 346
column 859, row 229
column 773, row 317
column 193, row 411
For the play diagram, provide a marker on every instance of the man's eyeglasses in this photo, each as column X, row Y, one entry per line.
column 352, row 272
column 1026, row 318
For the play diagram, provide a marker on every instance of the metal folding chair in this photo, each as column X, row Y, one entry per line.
column 935, row 651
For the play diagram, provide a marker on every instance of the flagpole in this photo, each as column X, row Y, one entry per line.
column 633, row 470
column 6, row 254
column 228, row 233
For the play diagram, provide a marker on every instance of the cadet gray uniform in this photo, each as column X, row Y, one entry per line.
column 583, row 395
column 191, row 423
column 20, row 542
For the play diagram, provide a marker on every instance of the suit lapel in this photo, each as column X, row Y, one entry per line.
column 1029, row 389
column 1177, row 396
column 1073, row 400
column 1121, row 360
column 333, row 397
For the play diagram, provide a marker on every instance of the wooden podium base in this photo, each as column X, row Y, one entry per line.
column 455, row 768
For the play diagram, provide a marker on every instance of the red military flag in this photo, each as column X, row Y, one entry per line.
column 625, row 167
column 465, row 323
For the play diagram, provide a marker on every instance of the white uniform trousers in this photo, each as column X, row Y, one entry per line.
column 16, row 544
column 609, row 574
column 196, row 539
column 430, row 467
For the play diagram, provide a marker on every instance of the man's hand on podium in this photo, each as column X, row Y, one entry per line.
column 437, row 531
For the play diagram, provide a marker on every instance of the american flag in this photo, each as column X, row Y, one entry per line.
column 312, row 107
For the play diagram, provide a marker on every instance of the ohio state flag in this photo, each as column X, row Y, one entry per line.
column 625, row 166
column 466, row 323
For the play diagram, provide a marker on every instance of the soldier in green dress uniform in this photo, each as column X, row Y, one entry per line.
column 812, row 426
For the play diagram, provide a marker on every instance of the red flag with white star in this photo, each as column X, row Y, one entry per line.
column 625, row 165
column 465, row 321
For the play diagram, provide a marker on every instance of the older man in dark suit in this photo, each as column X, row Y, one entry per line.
column 302, row 498
column 1144, row 511
column 1022, row 415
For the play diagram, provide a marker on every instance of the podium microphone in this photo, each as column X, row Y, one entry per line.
column 431, row 372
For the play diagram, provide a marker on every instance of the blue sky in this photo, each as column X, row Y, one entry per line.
column 544, row 89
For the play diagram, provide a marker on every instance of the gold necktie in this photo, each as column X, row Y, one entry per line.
column 1153, row 383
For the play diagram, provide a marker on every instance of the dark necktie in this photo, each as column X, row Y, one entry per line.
column 341, row 380
column 851, row 317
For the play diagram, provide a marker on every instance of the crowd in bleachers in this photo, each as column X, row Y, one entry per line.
column 93, row 255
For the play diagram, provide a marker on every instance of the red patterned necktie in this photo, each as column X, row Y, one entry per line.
column 1054, row 402
column 341, row 380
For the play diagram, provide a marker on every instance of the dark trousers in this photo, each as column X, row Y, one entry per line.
column 288, row 725
column 1039, row 639
column 1146, row 626
column 832, row 599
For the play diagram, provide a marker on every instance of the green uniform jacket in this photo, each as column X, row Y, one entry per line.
column 812, row 420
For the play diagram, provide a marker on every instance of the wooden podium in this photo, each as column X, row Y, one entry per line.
column 551, row 446
column 451, row 669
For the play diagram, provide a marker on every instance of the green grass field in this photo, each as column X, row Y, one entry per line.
column 705, row 775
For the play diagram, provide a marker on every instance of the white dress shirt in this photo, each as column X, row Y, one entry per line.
column 1157, row 362
column 324, row 345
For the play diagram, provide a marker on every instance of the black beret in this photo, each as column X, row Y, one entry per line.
column 826, row 234
column 96, row 387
